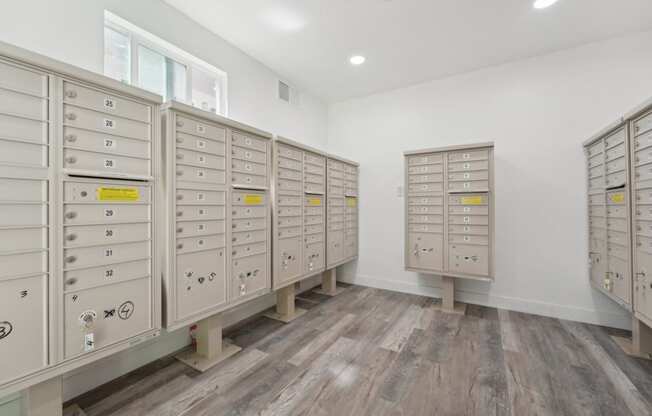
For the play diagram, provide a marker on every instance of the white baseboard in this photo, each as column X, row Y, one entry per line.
column 571, row 313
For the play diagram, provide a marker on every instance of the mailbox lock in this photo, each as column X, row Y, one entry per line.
column 179, row 156
column 70, row 215
column 71, row 94
column 71, row 138
column 87, row 319
column 71, row 237
column 71, row 259
column 179, row 246
column 71, row 159
column 179, row 123
column 71, row 116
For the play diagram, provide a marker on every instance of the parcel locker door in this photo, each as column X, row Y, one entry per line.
column 643, row 284
column 597, row 269
column 102, row 316
column 201, row 282
column 425, row 251
column 469, row 259
column 23, row 326
column 288, row 254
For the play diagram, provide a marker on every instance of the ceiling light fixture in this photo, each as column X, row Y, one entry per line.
column 542, row 4
column 357, row 60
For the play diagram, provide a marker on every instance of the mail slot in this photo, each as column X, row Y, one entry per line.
column 27, row 130
column 25, row 190
column 616, row 237
column 103, row 102
column 249, row 224
column 469, row 210
column 425, row 159
column 81, row 279
column 596, row 171
column 314, row 170
column 200, row 144
column 112, row 192
column 596, row 160
column 287, row 185
column 616, row 179
column 77, row 236
column 612, row 166
column 311, row 229
column 105, row 163
column 289, row 174
column 249, row 276
column 314, row 188
column 314, row 159
column 289, row 211
column 24, row 263
column 425, row 169
column 427, row 187
column 335, row 174
column 105, row 213
column 289, row 232
column 289, row 201
column 197, row 228
column 201, row 282
column 105, row 143
column 314, row 179
column 425, row 200
column 199, row 212
column 468, row 219
column 250, row 155
column 313, row 219
column 468, row 229
column 111, row 314
column 200, row 175
column 468, row 155
column 24, row 79
column 310, row 210
column 249, row 237
column 249, row 180
column 196, row 196
column 18, row 239
column 200, row 129
column 468, row 186
column 75, row 258
column 74, row 116
column 615, row 152
column 23, row 214
column 469, row 176
column 643, row 124
column 468, row 166
column 426, row 228
column 205, row 242
column 23, row 326
column 200, row 160
column 249, row 167
column 335, row 165
column 249, row 212
column 313, row 238
column 426, row 209
column 32, row 154
column 468, row 239
column 240, row 139
column 288, row 163
column 437, row 177
column 14, row 102
column 245, row 250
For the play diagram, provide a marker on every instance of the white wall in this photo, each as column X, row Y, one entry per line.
column 537, row 112
column 72, row 31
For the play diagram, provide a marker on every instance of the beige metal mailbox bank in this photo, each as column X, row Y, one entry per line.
column 78, row 161
column 449, row 209
column 218, row 223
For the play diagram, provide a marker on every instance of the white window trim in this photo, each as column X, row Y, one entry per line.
column 138, row 36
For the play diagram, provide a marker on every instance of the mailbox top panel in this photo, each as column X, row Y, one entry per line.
column 301, row 146
column 449, row 148
column 42, row 62
column 195, row 112
column 604, row 132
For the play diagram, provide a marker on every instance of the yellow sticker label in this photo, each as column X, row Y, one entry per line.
column 351, row 202
column 314, row 201
column 617, row 198
column 118, row 194
column 253, row 199
column 472, row 200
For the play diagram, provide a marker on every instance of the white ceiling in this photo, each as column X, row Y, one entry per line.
column 309, row 42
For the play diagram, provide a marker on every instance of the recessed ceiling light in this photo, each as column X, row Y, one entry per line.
column 357, row 60
column 542, row 4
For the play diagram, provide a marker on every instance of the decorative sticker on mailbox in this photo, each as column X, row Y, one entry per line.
column 5, row 329
column 472, row 200
column 118, row 194
column 253, row 199
column 314, row 201
column 126, row 310
column 617, row 198
column 351, row 202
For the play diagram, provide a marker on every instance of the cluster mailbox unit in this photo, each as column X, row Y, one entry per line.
column 78, row 166
column 218, row 223
column 449, row 210
column 619, row 184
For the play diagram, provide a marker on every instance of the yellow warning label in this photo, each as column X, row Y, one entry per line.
column 118, row 194
column 253, row 199
column 314, row 201
column 617, row 198
column 472, row 200
column 351, row 202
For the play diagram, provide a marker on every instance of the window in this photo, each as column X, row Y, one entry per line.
column 134, row 56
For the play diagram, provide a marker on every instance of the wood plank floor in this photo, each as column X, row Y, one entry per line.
column 374, row 352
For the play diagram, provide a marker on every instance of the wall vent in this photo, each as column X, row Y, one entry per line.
column 284, row 91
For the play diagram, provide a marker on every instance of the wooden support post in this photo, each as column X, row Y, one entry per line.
column 448, row 303
column 44, row 399
column 640, row 345
column 286, row 311
column 211, row 348
column 329, row 283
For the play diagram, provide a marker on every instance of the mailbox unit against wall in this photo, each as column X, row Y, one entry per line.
column 218, row 222
column 449, row 214
column 619, row 186
column 79, row 277
column 609, row 225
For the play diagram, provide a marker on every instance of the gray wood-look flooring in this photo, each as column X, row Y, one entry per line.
column 374, row 352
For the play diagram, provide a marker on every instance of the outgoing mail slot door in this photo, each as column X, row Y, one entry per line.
column 201, row 282
column 23, row 325
column 468, row 259
column 425, row 251
column 114, row 313
column 288, row 254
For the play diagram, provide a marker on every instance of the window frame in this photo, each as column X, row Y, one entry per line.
column 140, row 37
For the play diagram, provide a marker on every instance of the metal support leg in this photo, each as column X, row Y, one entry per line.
column 44, row 399
column 448, row 303
column 329, row 283
column 211, row 348
column 286, row 311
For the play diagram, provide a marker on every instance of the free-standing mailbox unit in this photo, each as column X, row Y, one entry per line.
column 449, row 215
